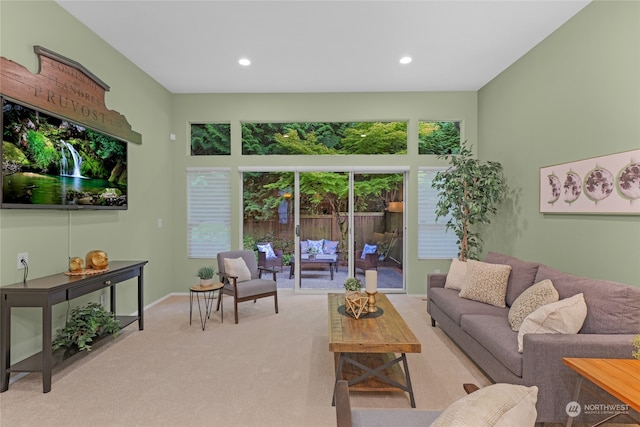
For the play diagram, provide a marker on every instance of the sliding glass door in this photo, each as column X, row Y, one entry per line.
column 321, row 224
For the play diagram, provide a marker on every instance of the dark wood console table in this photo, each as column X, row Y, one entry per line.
column 47, row 291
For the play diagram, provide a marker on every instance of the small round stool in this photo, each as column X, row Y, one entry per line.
column 207, row 294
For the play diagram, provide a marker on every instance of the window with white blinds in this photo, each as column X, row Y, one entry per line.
column 208, row 211
column 434, row 241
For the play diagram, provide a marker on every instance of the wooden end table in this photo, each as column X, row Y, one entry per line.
column 366, row 348
column 618, row 377
column 207, row 295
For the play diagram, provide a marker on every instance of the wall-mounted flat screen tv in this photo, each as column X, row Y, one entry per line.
column 52, row 163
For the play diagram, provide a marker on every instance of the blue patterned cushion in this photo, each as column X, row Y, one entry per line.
column 368, row 249
column 316, row 244
column 330, row 247
column 304, row 246
column 266, row 248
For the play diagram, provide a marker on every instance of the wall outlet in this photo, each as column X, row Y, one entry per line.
column 22, row 256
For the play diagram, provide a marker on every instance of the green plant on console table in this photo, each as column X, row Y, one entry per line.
column 85, row 323
column 636, row 346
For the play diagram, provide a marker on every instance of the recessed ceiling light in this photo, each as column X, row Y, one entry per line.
column 405, row 59
column 244, row 61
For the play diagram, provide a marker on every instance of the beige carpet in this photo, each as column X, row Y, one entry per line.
column 269, row 370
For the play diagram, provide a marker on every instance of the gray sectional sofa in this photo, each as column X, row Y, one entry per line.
column 483, row 332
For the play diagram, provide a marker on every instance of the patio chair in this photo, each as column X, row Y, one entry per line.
column 370, row 262
column 243, row 279
column 269, row 260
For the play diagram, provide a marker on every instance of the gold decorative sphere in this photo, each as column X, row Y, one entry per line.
column 75, row 264
column 96, row 260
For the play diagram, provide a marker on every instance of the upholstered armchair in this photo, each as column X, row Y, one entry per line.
column 242, row 279
column 269, row 260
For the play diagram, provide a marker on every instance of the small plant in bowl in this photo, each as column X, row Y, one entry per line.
column 85, row 323
column 206, row 275
column 352, row 284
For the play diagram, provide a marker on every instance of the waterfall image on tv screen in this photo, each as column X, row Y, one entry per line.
column 48, row 162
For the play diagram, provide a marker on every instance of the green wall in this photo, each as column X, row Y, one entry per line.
column 51, row 237
column 574, row 96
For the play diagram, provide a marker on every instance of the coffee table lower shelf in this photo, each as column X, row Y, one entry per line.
column 374, row 372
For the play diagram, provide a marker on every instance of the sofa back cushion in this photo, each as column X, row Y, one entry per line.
column 523, row 274
column 612, row 308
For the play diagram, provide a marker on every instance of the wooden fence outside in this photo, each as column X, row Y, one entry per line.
column 316, row 227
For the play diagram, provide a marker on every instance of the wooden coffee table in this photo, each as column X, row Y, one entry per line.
column 619, row 377
column 366, row 348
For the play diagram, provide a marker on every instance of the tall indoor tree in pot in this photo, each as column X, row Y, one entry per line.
column 469, row 193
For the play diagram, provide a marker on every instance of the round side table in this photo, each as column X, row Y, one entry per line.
column 207, row 296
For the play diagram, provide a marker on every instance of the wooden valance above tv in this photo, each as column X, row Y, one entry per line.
column 66, row 89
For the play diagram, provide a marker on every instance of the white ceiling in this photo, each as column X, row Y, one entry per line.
column 322, row 46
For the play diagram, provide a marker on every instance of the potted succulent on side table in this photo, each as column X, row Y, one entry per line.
column 206, row 275
column 85, row 323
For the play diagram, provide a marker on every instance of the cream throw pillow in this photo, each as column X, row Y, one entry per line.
column 237, row 267
column 456, row 274
column 503, row 405
column 486, row 282
column 530, row 300
column 563, row 317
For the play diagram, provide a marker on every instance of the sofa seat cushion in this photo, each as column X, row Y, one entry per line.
column 392, row 417
column 523, row 274
column 495, row 334
column 612, row 308
column 254, row 287
column 449, row 302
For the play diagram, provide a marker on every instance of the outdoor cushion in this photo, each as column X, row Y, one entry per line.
column 368, row 249
column 330, row 247
column 486, row 282
column 304, row 246
column 268, row 250
column 456, row 274
column 530, row 300
column 523, row 274
column 315, row 244
column 563, row 317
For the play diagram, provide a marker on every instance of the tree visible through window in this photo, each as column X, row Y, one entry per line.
column 317, row 138
column 438, row 138
column 210, row 139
